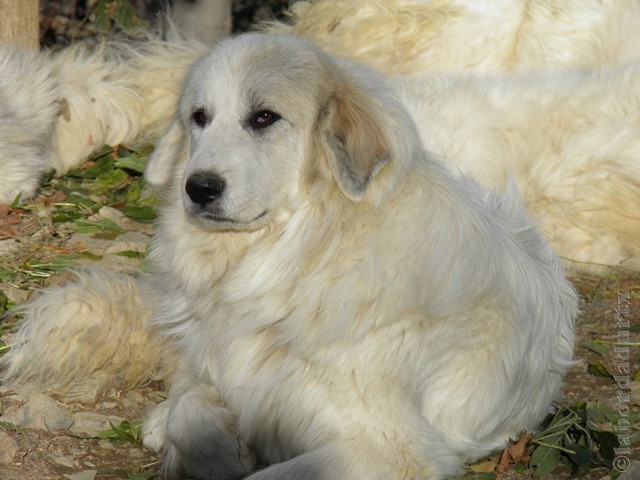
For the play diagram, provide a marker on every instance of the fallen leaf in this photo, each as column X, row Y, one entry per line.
column 484, row 467
column 597, row 369
column 514, row 453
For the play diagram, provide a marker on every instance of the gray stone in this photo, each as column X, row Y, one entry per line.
column 90, row 424
column 133, row 241
column 40, row 412
column 90, row 390
column 134, row 400
column 8, row 448
column 66, row 461
column 86, row 475
column 632, row 473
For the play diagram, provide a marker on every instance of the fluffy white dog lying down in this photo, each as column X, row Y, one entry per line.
column 57, row 109
column 335, row 302
column 483, row 36
column 568, row 140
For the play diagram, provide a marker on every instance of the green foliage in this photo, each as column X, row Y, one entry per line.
column 145, row 474
column 479, row 476
column 598, row 348
column 116, row 13
column 112, row 177
column 597, row 369
column 5, row 303
column 576, row 436
column 124, row 433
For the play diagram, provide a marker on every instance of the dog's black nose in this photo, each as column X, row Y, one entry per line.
column 204, row 188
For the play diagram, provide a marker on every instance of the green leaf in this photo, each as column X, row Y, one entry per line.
column 98, row 226
column 111, row 181
column 130, row 254
column 582, row 455
column 5, row 303
column 133, row 162
column 597, row 369
column 118, row 12
column 103, row 152
column 607, row 442
column 544, row 460
column 599, row 348
column 9, row 427
column 144, row 475
column 560, row 423
column 479, row 476
column 597, row 413
column 143, row 214
column 102, row 166
column 89, row 255
column 125, row 432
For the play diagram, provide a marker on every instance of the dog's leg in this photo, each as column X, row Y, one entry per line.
column 315, row 465
column 99, row 323
column 196, row 434
column 28, row 111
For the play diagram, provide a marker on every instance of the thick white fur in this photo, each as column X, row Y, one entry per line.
column 484, row 36
column 99, row 323
column 26, row 120
column 380, row 319
column 569, row 141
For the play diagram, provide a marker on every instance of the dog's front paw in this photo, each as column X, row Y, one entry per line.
column 314, row 465
column 196, row 436
column 154, row 429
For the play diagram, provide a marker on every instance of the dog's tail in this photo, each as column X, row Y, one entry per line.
column 99, row 323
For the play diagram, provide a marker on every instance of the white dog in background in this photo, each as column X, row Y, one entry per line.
column 337, row 303
column 57, row 109
column 411, row 37
column 568, row 139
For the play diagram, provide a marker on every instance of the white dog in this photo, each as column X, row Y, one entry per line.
column 411, row 37
column 337, row 303
column 57, row 109
column 569, row 141
column 580, row 176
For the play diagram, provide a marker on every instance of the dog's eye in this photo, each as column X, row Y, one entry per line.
column 199, row 117
column 263, row 119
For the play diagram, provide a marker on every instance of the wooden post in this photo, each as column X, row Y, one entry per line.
column 19, row 22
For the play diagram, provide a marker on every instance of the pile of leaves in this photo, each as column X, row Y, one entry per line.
column 575, row 439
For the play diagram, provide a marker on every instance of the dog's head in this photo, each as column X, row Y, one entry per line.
column 261, row 116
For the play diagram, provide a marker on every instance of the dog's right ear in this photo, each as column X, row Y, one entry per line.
column 170, row 149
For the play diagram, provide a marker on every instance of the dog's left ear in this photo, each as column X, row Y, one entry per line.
column 355, row 139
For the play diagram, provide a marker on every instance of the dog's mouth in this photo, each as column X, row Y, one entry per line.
column 222, row 222
column 222, row 219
